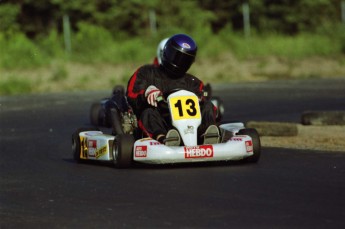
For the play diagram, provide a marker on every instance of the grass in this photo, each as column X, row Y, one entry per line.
column 97, row 61
column 301, row 46
column 16, row 86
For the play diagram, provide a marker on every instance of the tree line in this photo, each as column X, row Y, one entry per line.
column 128, row 18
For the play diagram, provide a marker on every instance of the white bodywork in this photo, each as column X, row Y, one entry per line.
column 94, row 145
column 97, row 146
column 151, row 151
column 181, row 117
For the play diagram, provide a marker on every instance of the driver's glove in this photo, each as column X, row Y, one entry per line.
column 151, row 94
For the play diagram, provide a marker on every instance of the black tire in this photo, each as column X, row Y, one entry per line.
column 76, row 142
column 256, row 144
column 116, row 121
column 95, row 114
column 123, row 150
column 119, row 89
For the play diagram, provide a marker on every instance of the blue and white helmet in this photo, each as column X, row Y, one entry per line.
column 179, row 54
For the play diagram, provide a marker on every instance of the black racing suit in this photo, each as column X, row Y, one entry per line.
column 151, row 121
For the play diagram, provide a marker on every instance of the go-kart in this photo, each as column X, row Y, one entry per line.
column 126, row 144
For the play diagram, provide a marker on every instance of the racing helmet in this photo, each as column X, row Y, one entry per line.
column 160, row 49
column 179, row 54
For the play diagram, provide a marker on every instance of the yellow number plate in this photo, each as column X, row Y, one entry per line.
column 185, row 107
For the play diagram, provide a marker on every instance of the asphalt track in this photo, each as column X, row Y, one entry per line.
column 42, row 187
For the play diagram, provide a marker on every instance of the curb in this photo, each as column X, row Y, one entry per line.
column 323, row 118
column 315, row 118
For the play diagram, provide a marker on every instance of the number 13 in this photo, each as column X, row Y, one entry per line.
column 190, row 109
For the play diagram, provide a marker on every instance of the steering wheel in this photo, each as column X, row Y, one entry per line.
column 167, row 93
column 161, row 100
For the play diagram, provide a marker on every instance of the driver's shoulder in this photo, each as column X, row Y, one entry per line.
column 191, row 77
column 145, row 73
column 148, row 67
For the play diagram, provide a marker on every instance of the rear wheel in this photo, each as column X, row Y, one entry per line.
column 256, row 144
column 116, row 121
column 95, row 114
column 119, row 89
column 123, row 150
column 76, row 144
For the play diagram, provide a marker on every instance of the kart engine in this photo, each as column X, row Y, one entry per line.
column 129, row 122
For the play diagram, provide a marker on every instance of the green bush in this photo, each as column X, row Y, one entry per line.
column 15, row 86
column 20, row 52
column 8, row 16
column 336, row 32
column 136, row 50
column 291, row 47
column 52, row 45
column 95, row 45
column 90, row 43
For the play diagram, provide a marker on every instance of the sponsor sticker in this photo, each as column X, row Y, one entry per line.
column 186, row 45
column 141, row 151
column 92, row 147
column 249, row 146
column 93, row 151
column 204, row 151
column 238, row 139
column 92, row 143
column 189, row 130
column 101, row 151
column 155, row 143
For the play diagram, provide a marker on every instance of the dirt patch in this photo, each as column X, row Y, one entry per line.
column 227, row 68
column 66, row 76
column 322, row 138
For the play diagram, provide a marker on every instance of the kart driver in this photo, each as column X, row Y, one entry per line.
column 150, row 81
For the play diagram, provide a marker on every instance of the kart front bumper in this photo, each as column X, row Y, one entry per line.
column 152, row 152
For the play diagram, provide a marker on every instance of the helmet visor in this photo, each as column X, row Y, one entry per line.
column 179, row 59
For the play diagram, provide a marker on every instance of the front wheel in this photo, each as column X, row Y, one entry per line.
column 123, row 150
column 251, row 132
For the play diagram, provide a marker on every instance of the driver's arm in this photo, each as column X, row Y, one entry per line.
column 136, row 91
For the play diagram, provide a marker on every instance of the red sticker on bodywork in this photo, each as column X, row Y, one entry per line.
column 92, row 143
column 141, row 151
column 249, row 146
